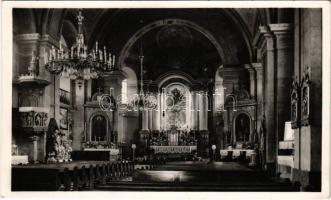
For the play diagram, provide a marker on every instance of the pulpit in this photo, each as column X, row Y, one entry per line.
column 33, row 124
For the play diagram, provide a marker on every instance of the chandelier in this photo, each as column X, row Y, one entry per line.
column 146, row 100
column 79, row 63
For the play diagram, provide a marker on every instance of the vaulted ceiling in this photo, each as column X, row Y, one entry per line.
column 183, row 39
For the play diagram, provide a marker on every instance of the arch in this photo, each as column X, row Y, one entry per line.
column 174, row 75
column 234, row 124
column 241, row 26
column 125, row 50
column 89, row 125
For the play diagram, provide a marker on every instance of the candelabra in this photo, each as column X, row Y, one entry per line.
column 78, row 63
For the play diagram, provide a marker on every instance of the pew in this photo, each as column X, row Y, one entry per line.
column 77, row 175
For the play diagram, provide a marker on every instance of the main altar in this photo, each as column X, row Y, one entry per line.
column 173, row 141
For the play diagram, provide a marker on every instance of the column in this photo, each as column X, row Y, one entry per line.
column 35, row 148
column 203, row 110
column 285, row 67
column 265, row 43
column 145, row 119
column 46, row 42
column 114, row 80
column 150, row 119
column 259, row 90
column 157, row 113
column 193, row 111
column 252, row 79
column 79, row 117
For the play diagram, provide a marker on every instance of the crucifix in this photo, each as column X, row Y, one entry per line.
column 99, row 89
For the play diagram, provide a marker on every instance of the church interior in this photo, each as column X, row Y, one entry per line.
column 194, row 99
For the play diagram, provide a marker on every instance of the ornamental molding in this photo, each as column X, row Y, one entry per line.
column 279, row 28
column 30, row 37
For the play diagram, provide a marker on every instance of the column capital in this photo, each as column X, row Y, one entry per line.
column 283, row 34
column 249, row 67
column 257, row 66
column 263, row 34
column 29, row 37
column 282, row 28
column 34, row 138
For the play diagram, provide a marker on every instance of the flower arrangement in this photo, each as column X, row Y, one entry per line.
column 100, row 145
column 61, row 149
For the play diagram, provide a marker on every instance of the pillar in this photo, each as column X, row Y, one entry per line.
column 252, row 79
column 35, row 148
column 265, row 43
column 203, row 111
column 193, row 111
column 79, row 117
column 284, row 73
column 114, row 80
column 259, row 91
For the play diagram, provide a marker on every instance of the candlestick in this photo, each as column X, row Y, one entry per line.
column 46, row 57
column 105, row 53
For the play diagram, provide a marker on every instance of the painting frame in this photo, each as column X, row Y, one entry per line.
column 63, row 118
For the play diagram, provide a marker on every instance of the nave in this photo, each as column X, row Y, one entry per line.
column 210, row 99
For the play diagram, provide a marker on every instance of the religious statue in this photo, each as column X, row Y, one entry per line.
column 305, row 98
column 295, row 104
column 57, row 146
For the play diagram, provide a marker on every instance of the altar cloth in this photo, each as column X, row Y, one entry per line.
column 173, row 149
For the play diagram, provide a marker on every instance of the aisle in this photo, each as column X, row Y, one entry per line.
column 191, row 176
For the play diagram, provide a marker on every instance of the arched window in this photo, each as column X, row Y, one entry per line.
column 99, row 128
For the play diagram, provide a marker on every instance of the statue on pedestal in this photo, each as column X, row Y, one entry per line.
column 57, row 145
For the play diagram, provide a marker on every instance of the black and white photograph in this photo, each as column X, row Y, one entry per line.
column 159, row 98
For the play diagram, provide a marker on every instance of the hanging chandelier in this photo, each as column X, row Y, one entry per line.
column 145, row 100
column 79, row 63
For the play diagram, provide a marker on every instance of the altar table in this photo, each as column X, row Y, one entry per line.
column 236, row 152
column 173, row 149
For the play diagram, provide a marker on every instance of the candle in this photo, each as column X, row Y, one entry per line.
column 105, row 53
column 46, row 57
column 60, row 45
column 96, row 46
column 72, row 52
column 113, row 60
column 50, row 56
